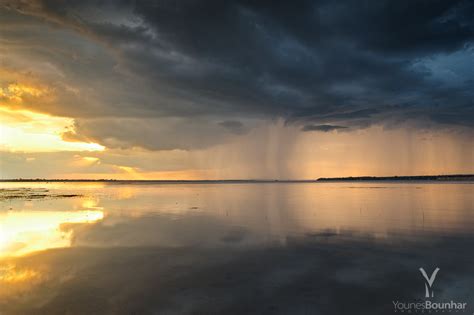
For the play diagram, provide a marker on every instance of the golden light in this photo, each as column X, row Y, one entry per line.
column 91, row 159
column 29, row 231
column 10, row 274
column 15, row 92
column 91, row 204
column 26, row 131
column 131, row 172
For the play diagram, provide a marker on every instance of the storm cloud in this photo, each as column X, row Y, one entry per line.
column 214, row 66
column 323, row 128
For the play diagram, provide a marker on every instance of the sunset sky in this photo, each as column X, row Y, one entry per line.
column 235, row 89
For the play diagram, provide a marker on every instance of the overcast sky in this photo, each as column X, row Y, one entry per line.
column 235, row 89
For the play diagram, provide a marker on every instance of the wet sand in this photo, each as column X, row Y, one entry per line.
column 24, row 193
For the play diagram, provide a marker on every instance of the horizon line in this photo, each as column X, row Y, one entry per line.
column 345, row 178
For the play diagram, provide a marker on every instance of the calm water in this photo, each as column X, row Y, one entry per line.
column 299, row 248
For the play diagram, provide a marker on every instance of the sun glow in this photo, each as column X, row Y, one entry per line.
column 14, row 92
column 22, row 130
column 10, row 274
column 29, row 231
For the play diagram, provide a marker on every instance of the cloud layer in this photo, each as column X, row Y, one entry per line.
column 214, row 65
column 240, row 89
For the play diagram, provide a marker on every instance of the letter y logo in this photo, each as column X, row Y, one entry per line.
column 429, row 281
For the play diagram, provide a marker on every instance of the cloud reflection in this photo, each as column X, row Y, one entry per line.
column 305, row 275
column 29, row 231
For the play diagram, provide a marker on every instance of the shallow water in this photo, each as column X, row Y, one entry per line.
column 276, row 248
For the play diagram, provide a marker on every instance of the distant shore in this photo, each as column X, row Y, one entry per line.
column 452, row 177
column 171, row 181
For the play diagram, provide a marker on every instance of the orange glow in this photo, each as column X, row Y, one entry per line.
column 10, row 274
column 17, row 92
column 29, row 231
column 26, row 131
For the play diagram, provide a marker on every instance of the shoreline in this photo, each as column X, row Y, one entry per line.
column 437, row 178
column 442, row 178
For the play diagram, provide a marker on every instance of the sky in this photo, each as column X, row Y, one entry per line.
column 235, row 89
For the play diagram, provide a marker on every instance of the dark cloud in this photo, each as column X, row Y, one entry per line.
column 309, row 63
column 323, row 128
column 153, row 134
column 233, row 126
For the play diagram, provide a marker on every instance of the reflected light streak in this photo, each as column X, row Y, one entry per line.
column 28, row 231
column 10, row 274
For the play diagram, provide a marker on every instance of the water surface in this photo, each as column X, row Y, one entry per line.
column 276, row 248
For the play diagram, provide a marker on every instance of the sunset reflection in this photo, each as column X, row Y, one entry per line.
column 29, row 231
column 9, row 273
